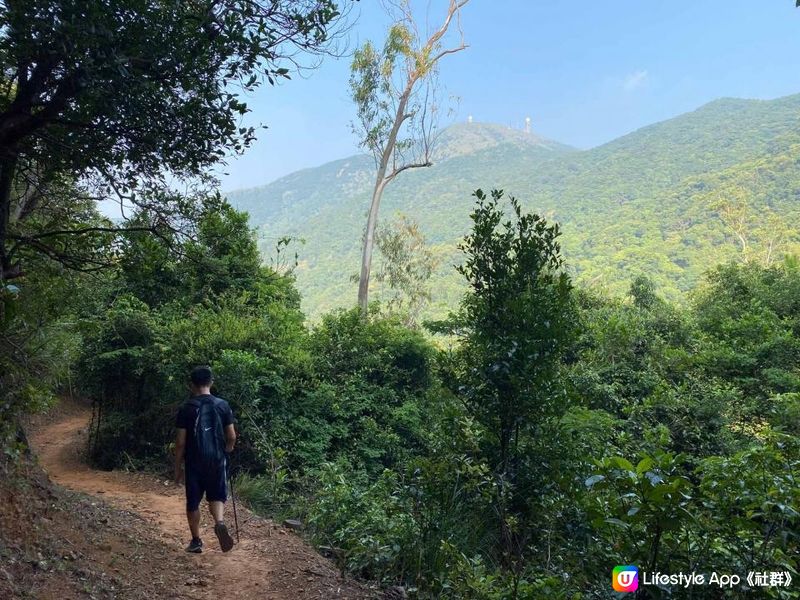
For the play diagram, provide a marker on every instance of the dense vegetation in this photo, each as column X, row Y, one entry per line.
column 538, row 436
column 651, row 203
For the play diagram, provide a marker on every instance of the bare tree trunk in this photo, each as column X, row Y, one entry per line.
column 743, row 242
column 369, row 243
column 381, row 180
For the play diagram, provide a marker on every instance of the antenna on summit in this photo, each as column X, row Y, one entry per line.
column 527, row 124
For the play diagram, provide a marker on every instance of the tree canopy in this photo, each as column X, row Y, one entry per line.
column 119, row 99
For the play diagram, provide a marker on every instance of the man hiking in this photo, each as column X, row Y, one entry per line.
column 205, row 433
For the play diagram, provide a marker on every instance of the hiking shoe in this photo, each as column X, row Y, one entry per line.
column 225, row 539
column 195, row 546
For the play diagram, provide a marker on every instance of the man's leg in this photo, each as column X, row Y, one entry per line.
column 194, row 493
column 220, row 529
column 193, row 516
column 217, row 494
column 217, row 510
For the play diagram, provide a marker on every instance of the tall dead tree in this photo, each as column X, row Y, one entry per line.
column 394, row 93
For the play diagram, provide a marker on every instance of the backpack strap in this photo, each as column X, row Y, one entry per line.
column 216, row 401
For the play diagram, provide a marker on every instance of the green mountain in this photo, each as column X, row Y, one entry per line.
column 668, row 200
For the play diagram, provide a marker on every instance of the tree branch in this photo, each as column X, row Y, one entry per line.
column 81, row 232
column 453, row 9
column 75, row 263
column 438, row 57
column 395, row 172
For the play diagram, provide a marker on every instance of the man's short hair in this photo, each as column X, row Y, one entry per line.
column 201, row 376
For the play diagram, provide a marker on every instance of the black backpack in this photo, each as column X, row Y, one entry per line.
column 209, row 437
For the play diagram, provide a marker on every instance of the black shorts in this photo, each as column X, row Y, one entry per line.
column 212, row 483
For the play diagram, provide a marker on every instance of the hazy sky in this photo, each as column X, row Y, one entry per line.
column 585, row 72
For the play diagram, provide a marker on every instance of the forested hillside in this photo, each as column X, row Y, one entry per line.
column 653, row 202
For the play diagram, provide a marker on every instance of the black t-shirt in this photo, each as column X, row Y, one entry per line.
column 187, row 414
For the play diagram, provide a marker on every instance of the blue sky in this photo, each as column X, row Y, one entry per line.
column 585, row 72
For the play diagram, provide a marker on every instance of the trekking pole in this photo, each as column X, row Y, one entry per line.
column 233, row 499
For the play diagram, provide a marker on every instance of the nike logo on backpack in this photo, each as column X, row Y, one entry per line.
column 207, row 429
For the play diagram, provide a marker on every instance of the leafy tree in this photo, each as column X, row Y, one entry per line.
column 406, row 267
column 516, row 319
column 738, row 511
column 514, row 324
column 148, row 266
column 220, row 257
column 392, row 89
column 224, row 256
column 371, row 390
column 37, row 350
column 123, row 97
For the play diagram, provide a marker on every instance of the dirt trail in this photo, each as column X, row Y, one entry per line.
column 270, row 562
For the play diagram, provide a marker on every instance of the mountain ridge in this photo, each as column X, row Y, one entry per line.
column 725, row 100
column 514, row 135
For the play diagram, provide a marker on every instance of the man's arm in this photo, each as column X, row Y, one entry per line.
column 230, row 438
column 180, row 453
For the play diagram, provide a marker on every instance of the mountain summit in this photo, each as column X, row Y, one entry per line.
column 468, row 138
